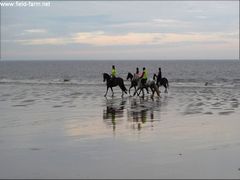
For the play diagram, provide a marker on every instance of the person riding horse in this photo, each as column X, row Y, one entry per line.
column 144, row 76
column 143, row 82
column 112, row 81
column 161, row 81
column 159, row 76
column 114, row 73
column 137, row 74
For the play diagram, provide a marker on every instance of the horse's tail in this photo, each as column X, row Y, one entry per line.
column 167, row 84
column 156, row 89
column 122, row 86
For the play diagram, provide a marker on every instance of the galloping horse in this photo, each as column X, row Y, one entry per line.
column 114, row 82
column 162, row 82
column 134, row 82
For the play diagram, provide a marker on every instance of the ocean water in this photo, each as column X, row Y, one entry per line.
column 55, row 129
column 187, row 73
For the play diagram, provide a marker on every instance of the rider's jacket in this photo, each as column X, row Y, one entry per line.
column 145, row 74
column 114, row 72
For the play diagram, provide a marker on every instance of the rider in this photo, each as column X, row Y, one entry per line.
column 114, row 72
column 137, row 74
column 144, row 76
column 159, row 76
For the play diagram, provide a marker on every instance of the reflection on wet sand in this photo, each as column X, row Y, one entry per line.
column 137, row 111
column 114, row 109
column 141, row 111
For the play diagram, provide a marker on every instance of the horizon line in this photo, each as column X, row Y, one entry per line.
column 120, row 60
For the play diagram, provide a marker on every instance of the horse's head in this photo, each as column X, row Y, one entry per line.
column 129, row 76
column 154, row 76
column 106, row 77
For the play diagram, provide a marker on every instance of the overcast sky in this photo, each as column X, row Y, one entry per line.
column 104, row 30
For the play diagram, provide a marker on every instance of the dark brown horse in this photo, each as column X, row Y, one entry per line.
column 162, row 82
column 112, row 82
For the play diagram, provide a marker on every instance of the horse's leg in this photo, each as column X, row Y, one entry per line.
column 122, row 90
column 106, row 91
column 142, row 92
column 138, row 89
column 147, row 90
column 152, row 92
column 165, row 88
column 131, row 88
column 112, row 91
column 159, row 88
column 122, row 93
column 139, row 92
column 135, row 91
column 156, row 90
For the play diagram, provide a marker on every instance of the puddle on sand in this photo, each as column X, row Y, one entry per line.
column 57, row 106
column 226, row 112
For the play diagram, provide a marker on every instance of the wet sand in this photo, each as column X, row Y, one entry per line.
column 51, row 131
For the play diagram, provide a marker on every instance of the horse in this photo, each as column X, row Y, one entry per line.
column 163, row 82
column 149, row 83
column 114, row 82
column 134, row 82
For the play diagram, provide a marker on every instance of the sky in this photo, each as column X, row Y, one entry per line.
column 115, row 30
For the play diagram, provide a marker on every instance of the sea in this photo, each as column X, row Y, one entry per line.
column 178, row 72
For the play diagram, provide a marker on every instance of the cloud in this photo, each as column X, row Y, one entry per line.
column 201, row 17
column 44, row 41
column 195, row 10
column 158, row 22
column 100, row 38
column 35, row 31
column 169, row 21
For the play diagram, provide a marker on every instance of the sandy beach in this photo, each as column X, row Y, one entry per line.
column 68, row 131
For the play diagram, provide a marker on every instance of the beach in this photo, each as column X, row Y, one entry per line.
column 50, row 128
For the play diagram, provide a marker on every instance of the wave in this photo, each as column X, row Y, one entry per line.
column 73, row 82
column 49, row 82
column 204, row 84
